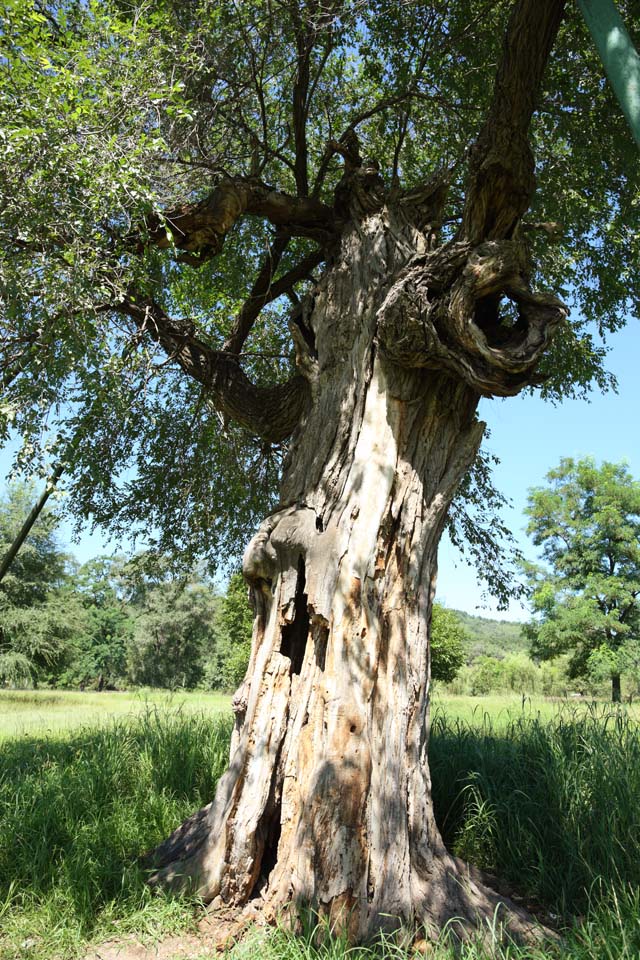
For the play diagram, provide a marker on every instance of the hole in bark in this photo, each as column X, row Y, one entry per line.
column 298, row 317
column 320, row 640
column 319, row 524
column 294, row 634
column 500, row 320
column 273, row 829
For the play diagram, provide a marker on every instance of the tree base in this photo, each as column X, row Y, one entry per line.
column 460, row 903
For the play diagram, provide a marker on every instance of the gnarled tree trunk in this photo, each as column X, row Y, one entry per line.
column 327, row 800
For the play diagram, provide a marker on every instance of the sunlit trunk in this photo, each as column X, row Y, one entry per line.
column 327, row 801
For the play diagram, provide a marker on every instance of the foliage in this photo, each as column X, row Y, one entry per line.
column 448, row 642
column 586, row 600
column 513, row 673
column 233, row 626
column 111, row 114
column 172, row 635
column 100, row 649
column 38, row 613
column 492, row 638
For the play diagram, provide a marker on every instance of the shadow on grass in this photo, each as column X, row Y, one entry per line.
column 76, row 813
column 551, row 807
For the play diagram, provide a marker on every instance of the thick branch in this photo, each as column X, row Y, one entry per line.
column 444, row 311
column 269, row 412
column 304, row 44
column 501, row 169
column 199, row 229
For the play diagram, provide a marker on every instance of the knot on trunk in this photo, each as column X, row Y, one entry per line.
column 470, row 310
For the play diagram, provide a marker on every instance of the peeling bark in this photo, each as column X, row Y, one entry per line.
column 327, row 802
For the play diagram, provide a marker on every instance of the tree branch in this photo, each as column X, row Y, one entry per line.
column 263, row 292
column 199, row 229
column 501, row 178
column 304, row 46
column 268, row 412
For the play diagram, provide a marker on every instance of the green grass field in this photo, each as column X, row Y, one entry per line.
column 42, row 712
column 25, row 713
column 543, row 795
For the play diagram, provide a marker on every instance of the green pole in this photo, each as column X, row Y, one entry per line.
column 619, row 56
column 25, row 530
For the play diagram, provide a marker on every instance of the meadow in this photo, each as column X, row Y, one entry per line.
column 542, row 795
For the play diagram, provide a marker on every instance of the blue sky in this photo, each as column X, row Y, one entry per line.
column 529, row 436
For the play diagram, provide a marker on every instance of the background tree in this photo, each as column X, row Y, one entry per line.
column 301, row 239
column 226, row 669
column 172, row 635
column 586, row 601
column 100, row 648
column 39, row 615
column 449, row 643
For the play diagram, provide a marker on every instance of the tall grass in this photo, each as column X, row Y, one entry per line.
column 549, row 807
column 76, row 814
column 552, row 808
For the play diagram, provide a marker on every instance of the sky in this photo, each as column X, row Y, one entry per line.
column 529, row 436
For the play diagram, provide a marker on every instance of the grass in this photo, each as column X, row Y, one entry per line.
column 77, row 811
column 25, row 713
column 547, row 802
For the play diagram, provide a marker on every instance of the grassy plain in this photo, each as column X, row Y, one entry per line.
column 26, row 713
column 542, row 795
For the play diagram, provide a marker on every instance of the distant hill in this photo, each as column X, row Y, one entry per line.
column 492, row 638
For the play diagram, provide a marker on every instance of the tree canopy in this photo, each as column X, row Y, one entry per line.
column 449, row 643
column 171, row 183
column 586, row 599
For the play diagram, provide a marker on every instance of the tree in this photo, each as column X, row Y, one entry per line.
column 39, row 617
column 587, row 599
column 100, row 649
column 288, row 245
column 233, row 628
column 172, row 635
column 448, row 643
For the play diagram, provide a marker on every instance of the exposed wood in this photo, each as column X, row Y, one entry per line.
column 443, row 312
column 327, row 800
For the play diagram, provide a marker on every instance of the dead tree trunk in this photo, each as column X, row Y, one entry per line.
column 327, row 801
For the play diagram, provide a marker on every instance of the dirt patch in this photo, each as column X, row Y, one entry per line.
column 216, row 933
column 173, row 948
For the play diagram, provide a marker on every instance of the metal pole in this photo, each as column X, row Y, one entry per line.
column 619, row 56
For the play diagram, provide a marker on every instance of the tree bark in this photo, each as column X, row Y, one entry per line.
column 327, row 801
column 616, row 689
